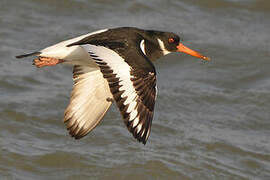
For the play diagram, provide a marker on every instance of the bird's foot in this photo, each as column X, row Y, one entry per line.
column 46, row 61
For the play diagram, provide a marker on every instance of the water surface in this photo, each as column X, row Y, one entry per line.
column 211, row 119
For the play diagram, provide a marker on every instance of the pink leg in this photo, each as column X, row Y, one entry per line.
column 46, row 61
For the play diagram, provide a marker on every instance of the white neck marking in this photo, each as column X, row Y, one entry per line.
column 142, row 46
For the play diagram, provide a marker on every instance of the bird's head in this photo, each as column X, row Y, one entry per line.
column 167, row 42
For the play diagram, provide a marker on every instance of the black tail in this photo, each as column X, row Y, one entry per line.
column 30, row 54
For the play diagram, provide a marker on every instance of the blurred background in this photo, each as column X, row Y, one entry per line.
column 212, row 120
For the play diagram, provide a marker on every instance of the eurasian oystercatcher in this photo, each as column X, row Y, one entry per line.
column 112, row 65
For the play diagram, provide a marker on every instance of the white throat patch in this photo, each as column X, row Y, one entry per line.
column 162, row 47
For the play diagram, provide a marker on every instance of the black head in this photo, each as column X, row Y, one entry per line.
column 160, row 43
column 169, row 40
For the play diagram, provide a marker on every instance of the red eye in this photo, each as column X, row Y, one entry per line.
column 171, row 40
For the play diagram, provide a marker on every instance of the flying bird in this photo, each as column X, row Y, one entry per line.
column 112, row 65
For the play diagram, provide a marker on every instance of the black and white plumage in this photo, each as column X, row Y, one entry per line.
column 134, row 90
column 113, row 64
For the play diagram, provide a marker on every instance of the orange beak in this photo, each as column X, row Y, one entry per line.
column 184, row 49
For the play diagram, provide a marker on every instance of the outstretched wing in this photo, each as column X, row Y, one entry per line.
column 88, row 101
column 133, row 86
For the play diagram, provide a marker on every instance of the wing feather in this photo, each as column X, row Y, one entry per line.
column 88, row 101
column 133, row 89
